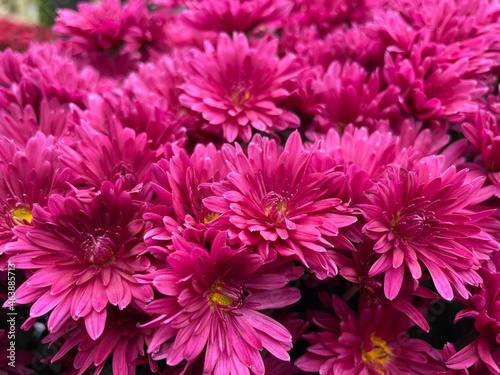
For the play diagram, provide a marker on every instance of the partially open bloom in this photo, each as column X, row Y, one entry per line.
column 113, row 153
column 83, row 255
column 28, row 177
column 349, row 94
column 351, row 344
column 234, row 15
column 274, row 200
column 108, row 26
column 418, row 219
column 214, row 294
column 432, row 86
column 484, row 308
column 179, row 203
column 239, row 87
column 122, row 340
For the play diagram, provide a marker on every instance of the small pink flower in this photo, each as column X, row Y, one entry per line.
column 351, row 344
column 213, row 297
column 349, row 94
column 483, row 307
column 432, row 86
column 28, row 176
column 83, row 255
column 239, row 88
column 122, row 341
column 179, row 203
column 234, row 15
column 419, row 222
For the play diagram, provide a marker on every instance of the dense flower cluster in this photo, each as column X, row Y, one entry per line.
column 254, row 187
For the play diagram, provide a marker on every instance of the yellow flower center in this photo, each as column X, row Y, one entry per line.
column 21, row 215
column 210, row 216
column 275, row 207
column 226, row 296
column 378, row 355
column 240, row 96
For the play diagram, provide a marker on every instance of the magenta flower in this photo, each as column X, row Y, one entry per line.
column 468, row 28
column 234, row 15
column 238, row 87
column 113, row 153
column 107, row 26
column 29, row 177
column 179, row 202
column 484, row 308
column 350, row 95
column 122, row 340
column 432, row 86
column 484, row 133
column 213, row 302
column 419, row 222
column 273, row 199
column 83, row 255
column 349, row 344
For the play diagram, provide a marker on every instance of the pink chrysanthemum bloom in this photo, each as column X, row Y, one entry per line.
column 213, row 302
column 273, row 199
column 234, row 15
column 484, row 133
column 468, row 28
column 51, row 118
column 372, row 152
column 326, row 15
column 432, row 86
column 51, row 70
column 238, row 87
column 419, row 222
column 176, row 182
column 484, row 308
column 28, row 176
column 108, row 26
column 122, row 341
column 83, row 255
column 350, row 95
column 349, row 344
column 138, row 111
column 114, row 153
column 355, row 268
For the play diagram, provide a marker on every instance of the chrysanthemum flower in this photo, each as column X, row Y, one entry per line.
column 238, row 87
column 83, row 255
column 28, row 176
column 484, row 133
column 51, row 70
column 234, row 15
column 113, row 153
column 51, row 118
column 122, row 341
column 372, row 343
column 432, row 86
column 326, row 15
column 179, row 203
column 484, row 308
column 107, row 26
column 468, row 28
column 273, row 199
column 419, row 221
column 213, row 302
column 350, row 95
